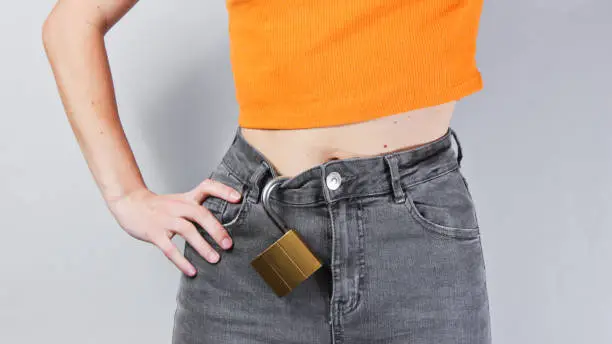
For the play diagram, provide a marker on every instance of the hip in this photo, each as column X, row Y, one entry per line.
column 397, row 236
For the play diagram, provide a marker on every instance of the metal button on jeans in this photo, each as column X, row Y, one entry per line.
column 333, row 180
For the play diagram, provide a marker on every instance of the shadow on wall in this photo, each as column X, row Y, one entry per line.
column 191, row 122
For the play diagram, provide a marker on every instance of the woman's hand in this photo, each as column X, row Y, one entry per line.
column 157, row 218
column 73, row 37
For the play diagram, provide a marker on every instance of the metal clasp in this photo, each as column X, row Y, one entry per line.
column 265, row 201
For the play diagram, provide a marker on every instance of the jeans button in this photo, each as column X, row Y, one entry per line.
column 333, row 180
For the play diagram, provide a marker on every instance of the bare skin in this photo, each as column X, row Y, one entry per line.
column 73, row 37
column 293, row 151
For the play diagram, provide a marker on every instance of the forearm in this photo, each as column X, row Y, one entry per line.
column 76, row 51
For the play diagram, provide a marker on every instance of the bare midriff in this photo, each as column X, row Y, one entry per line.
column 292, row 151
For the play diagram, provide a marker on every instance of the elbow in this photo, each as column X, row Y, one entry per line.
column 48, row 30
column 65, row 22
column 54, row 27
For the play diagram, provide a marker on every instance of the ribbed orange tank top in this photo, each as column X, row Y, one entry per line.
column 314, row 63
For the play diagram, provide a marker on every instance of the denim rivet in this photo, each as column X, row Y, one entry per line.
column 333, row 180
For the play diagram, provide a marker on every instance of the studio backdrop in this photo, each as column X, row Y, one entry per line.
column 537, row 154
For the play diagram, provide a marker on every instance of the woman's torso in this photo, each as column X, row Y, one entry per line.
column 294, row 150
column 320, row 80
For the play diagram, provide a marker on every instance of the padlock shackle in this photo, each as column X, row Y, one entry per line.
column 265, row 201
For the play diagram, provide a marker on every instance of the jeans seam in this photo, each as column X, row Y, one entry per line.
column 356, row 300
column 444, row 231
column 234, row 175
column 379, row 192
column 453, row 168
column 241, row 214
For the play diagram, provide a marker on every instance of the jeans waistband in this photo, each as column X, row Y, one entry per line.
column 360, row 176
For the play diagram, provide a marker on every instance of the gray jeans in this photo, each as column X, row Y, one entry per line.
column 398, row 237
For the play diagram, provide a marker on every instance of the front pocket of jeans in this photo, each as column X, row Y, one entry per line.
column 229, row 214
column 443, row 205
column 234, row 213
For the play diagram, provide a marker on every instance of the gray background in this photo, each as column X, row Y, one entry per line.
column 537, row 156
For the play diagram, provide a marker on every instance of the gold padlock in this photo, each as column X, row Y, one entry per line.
column 289, row 261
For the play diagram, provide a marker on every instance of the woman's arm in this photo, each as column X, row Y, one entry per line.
column 73, row 38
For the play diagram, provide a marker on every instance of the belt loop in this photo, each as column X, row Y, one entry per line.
column 254, row 181
column 459, row 152
column 398, row 193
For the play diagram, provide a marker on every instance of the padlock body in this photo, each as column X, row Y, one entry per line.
column 286, row 263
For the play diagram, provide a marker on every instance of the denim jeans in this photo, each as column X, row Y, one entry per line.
column 398, row 237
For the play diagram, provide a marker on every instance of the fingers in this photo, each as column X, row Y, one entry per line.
column 177, row 222
column 174, row 255
column 206, row 220
column 215, row 188
column 191, row 235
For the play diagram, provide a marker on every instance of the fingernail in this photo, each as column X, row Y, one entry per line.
column 213, row 256
column 226, row 243
column 235, row 194
column 191, row 271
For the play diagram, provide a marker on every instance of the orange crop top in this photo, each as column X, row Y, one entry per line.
column 314, row 63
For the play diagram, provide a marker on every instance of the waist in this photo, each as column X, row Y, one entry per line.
column 291, row 151
column 343, row 177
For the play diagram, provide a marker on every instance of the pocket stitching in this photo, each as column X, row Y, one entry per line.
column 240, row 215
column 452, row 232
column 221, row 204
